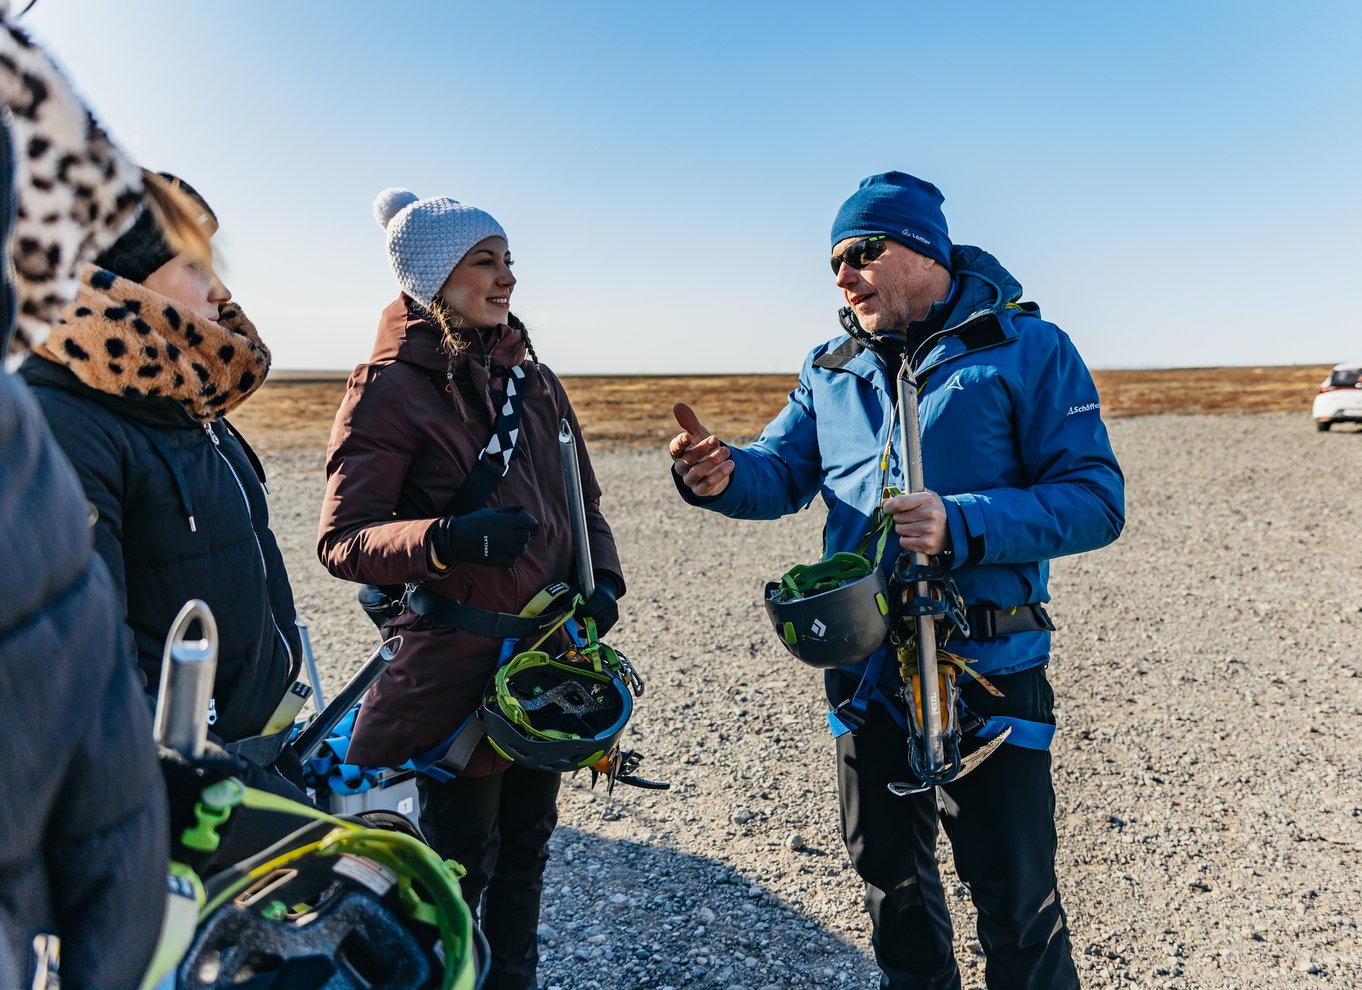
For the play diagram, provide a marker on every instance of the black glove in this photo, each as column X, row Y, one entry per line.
column 247, row 830
column 186, row 779
column 601, row 606
column 495, row 537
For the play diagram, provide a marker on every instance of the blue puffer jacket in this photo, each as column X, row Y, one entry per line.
column 1013, row 441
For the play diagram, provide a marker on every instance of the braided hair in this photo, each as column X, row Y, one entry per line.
column 451, row 324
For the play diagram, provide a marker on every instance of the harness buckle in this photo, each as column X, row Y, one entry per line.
column 850, row 719
column 983, row 624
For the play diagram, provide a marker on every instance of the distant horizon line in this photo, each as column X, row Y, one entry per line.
column 337, row 374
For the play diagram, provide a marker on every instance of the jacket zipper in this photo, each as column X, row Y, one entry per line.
column 259, row 550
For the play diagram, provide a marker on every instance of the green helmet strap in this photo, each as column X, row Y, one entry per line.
column 603, row 667
column 806, row 580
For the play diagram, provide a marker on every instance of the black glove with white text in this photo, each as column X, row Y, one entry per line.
column 494, row 537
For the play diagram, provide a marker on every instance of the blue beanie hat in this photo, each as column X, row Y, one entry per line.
column 903, row 206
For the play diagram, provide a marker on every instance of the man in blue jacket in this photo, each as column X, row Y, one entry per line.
column 1018, row 469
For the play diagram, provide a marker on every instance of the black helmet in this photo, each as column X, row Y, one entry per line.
column 832, row 613
column 558, row 713
column 337, row 906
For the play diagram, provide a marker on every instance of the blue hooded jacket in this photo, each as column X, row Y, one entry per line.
column 1012, row 440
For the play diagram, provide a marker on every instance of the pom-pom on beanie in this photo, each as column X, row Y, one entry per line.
column 903, row 206
column 428, row 237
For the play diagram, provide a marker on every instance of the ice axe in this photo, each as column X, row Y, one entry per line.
column 188, row 667
column 329, row 717
column 572, row 480
column 923, row 595
column 617, row 765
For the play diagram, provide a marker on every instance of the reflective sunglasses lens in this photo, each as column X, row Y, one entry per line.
column 860, row 254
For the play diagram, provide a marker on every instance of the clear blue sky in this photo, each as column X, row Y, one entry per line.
column 1176, row 183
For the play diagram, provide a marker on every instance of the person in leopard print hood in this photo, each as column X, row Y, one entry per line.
column 136, row 380
column 83, row 840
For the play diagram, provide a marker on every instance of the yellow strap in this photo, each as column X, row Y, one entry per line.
column 543, row 600
column 178, row 924
column 959, row 663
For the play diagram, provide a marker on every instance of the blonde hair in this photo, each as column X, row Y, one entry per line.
column 449, row 323
column 178, row 216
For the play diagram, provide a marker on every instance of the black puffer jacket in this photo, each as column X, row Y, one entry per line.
column 83, row 834
column 181, row 514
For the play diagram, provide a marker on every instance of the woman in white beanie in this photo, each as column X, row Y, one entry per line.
column 432, row 480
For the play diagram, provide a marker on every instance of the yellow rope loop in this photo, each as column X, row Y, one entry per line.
column 960, row 664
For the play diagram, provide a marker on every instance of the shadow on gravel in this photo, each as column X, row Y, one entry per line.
column 622, row 915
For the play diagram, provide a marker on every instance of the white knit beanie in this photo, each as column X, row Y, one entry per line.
column 428, row 237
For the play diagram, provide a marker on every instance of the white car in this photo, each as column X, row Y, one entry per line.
column 1340, row 396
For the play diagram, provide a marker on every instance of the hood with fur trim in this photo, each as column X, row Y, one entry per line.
column 75, row 192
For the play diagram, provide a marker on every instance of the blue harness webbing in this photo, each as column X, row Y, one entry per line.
column 328, row 770
column 1025, row 733
column 850, row 715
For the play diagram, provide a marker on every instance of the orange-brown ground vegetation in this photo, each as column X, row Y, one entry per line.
column 295, row 409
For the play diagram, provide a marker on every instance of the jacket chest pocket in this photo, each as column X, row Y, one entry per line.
column 851, row 446
column 969, row 437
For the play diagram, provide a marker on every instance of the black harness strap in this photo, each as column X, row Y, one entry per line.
column 493, row 625
column 990, row 623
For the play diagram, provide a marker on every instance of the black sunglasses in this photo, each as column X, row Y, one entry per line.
column 860, row 254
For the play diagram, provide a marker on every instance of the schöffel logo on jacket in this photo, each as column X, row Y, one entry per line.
column 1089, row 407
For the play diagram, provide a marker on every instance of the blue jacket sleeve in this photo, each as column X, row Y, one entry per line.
column 781, row 472
column 1074, row 499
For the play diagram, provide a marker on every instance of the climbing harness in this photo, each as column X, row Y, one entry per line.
column 566, row 712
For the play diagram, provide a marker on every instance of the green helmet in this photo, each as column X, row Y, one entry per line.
column 832, row 613
column 558, row 713
column 336, row 904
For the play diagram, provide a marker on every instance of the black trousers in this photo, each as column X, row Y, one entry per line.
column 1000, row 822
column 498, row 828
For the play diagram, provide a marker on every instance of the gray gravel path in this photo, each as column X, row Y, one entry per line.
column 1207, row 767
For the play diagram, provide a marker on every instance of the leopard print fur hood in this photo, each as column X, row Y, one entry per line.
column 75, row 191
column 123, row 339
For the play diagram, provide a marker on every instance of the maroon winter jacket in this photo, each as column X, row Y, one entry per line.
column 399, row 452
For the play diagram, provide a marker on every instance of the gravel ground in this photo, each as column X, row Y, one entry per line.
column 1207, row 768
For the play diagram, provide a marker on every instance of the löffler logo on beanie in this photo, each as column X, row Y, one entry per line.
column 903, row 206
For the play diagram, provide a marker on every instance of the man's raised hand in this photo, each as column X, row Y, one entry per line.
column 699, row 458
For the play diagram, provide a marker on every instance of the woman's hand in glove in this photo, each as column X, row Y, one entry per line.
column 186, row 779
column 494, row 537
column 601, row 606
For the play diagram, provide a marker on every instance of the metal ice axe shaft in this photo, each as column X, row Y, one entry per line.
column 329, row 717
column 572, row 480
column 188, row 667
column 929, row 697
